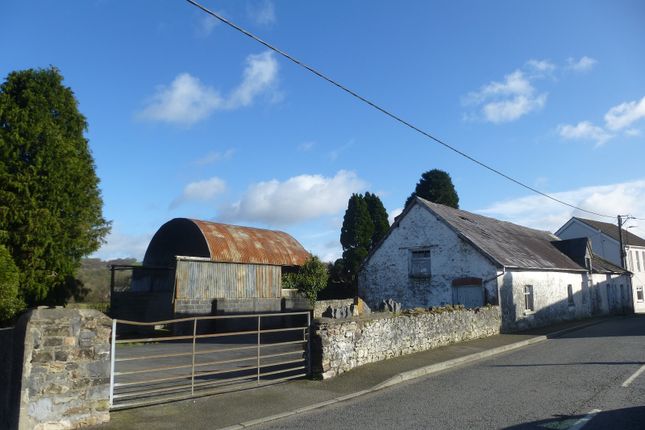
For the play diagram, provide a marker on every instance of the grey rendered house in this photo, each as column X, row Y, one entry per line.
column 435, row 255
column 605, row 240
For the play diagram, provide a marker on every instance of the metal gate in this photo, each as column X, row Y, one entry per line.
column 154, row 362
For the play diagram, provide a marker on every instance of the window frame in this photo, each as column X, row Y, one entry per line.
column 529, row 299
column 640, row 299
column 415, row 262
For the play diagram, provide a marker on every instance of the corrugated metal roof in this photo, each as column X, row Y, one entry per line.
column 611, row 230
column 509, row 245
column 237, row 244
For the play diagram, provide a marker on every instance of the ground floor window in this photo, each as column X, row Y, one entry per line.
column 570, row 295
column 639, row 294
column 528, row 298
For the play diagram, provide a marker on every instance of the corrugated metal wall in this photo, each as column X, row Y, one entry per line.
column 209, row 280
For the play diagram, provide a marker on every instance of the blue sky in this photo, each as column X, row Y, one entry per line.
column 188, row 118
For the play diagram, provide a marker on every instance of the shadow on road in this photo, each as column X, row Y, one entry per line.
column 624, row 419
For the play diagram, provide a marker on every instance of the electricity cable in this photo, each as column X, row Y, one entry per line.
column 388, row 113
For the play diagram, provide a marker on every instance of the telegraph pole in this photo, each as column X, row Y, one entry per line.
column 620, row 239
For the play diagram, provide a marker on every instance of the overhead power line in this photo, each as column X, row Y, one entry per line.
column 387, row 112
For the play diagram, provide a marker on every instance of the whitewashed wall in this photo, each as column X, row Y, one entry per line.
column 386, row 274
column 550, row 298
column 608, row 296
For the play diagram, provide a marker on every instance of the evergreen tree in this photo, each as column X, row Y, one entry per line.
column 50, row 203
column 378, row 215
column 10, row 301
column 356, row 234
column 436, row 186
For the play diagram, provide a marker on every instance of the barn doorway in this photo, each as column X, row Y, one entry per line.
column 468, row 292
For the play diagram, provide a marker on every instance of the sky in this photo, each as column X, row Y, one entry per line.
column 190, row 118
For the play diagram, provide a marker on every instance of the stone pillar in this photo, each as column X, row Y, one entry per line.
column 65, row 370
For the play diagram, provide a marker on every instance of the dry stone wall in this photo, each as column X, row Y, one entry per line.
column 65, row 370
column 341, row 345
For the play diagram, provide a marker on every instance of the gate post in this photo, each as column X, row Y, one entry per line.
column 192, row 372
column 308, row 344
column 259, row 325
column 112, row 360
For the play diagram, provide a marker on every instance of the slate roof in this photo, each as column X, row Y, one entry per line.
column 507, row 244
column 600, row 265
column 611, row 230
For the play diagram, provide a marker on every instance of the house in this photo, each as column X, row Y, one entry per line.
column 434, row 255
column 194, row 267
column 605, row 240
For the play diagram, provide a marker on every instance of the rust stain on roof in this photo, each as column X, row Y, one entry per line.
column 237, row 244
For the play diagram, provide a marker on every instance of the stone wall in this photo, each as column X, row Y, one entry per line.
column 321, row 305
column 65, row 370
column 341, row 345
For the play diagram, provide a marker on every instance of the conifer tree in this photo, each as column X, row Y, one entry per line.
column 378, row 215
column 436, row 186
column 356, row 234
column 50, row 203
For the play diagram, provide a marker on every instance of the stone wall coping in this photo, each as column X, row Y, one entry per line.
column 409, row 313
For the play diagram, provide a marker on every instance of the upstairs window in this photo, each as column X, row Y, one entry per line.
column 420, row 263
column 638, row 261
column 528, row 298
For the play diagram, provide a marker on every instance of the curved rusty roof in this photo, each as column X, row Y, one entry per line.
column 237, row 244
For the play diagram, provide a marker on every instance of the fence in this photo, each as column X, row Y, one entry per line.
column 189, row 357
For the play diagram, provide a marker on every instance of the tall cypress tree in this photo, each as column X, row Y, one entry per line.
column 378, row 215
column 436, row 186
column 50, row 203
column 356, row 234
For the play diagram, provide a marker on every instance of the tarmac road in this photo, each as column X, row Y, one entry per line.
column 588, row 378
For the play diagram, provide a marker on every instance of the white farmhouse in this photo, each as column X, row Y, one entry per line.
column 606, row 243
column 434, row 255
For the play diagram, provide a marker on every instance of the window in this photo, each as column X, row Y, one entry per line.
column 639, row 295
column 420, row 263
column 528, row 298
column 638, row 261
column 643, row 260
column 570, row 295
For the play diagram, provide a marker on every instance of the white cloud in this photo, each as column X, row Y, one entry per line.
column 259, row 75
column 512, row 109
column 617, row 118
column 545, row 214
column 510, row 99
column 297, row 199
column 122, row 245
column 393, row 214
column 206, row 25
column 541, row 67
column 584, row 130
column 625, row 114
column 262, row 13
column 187, row 100
column 335, row 153
column 203, row 191
column 214, row 157
column 583, row 64
column 306, row 146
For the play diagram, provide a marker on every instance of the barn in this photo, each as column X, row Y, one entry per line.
column 193, row 267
